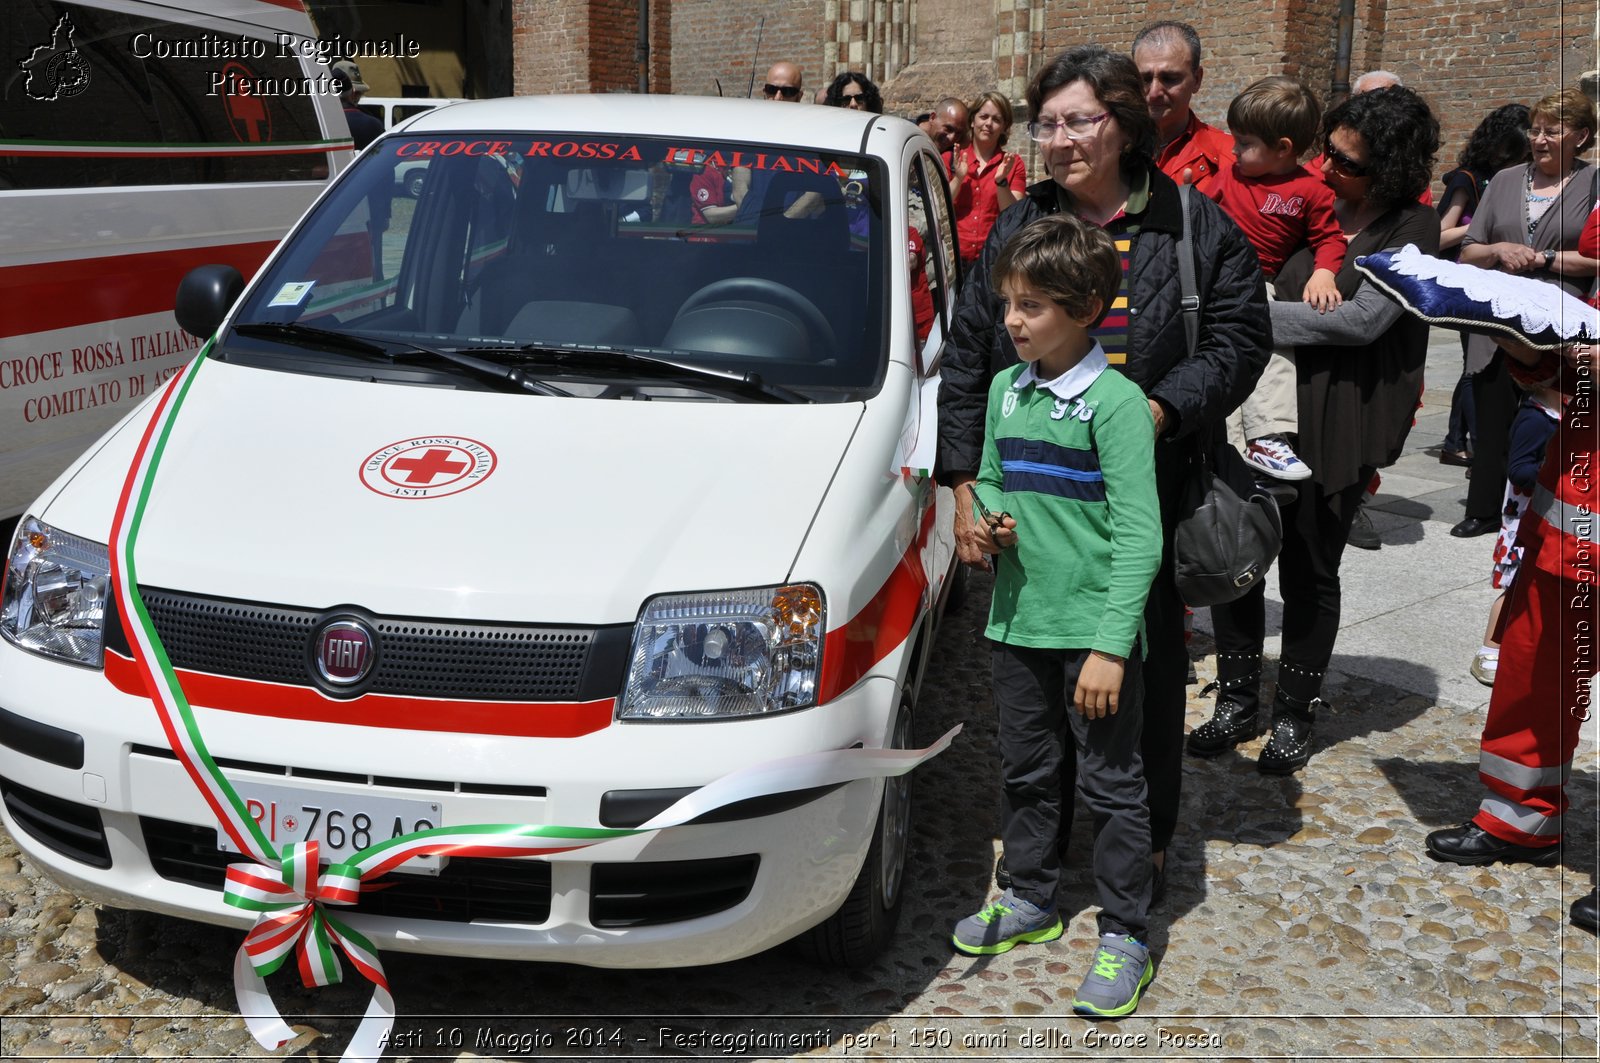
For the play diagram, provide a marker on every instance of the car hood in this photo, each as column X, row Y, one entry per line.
column 316, row 492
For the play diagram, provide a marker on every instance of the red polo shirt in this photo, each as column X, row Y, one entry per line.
column 1203, row 150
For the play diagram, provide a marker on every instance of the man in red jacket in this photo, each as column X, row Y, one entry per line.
column 1187, row 150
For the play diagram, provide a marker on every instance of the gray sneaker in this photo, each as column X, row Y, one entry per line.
column 1111, row 989
column 1005, row 924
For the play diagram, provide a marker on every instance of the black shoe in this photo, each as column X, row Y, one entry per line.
column 1289, row 748
column 1363, row 536
column 1586, row 912
column 1459, row 458
column 1231, row 724
column 1472, row 526
column 1002, row 877
column 1470, row 844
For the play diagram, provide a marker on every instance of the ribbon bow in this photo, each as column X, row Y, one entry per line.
column 289, row 902
column 291, row 919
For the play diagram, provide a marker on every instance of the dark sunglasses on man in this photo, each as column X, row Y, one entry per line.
column 788, row 92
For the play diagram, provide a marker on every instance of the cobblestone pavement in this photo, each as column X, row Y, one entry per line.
column 1302, row 920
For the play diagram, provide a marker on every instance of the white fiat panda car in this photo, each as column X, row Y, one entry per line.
column 595, row 472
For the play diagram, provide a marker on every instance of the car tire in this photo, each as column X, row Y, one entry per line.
column 853, row 936
column 414, row 185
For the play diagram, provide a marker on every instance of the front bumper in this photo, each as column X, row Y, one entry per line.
column 799, row 862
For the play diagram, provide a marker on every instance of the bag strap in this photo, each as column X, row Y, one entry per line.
column 1189, row 303
column 1187, row 287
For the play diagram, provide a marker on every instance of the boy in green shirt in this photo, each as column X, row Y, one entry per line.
column 1067, row 492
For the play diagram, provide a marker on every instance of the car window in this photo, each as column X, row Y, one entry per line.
column 747, row 258
column 89, row 76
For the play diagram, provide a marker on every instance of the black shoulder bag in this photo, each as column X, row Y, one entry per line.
column 1232, row 531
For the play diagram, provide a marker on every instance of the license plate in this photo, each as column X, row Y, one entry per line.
column 342, row 824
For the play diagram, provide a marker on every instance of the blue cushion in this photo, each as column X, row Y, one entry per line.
column 1471, row 299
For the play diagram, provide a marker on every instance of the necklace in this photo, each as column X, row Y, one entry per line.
column 1538, row 204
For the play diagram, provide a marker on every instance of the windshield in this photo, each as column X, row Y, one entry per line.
column 731, row 257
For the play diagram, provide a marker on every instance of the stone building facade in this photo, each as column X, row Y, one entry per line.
column 1467, row 56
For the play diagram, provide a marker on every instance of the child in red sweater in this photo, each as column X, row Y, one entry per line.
column 1281, row 206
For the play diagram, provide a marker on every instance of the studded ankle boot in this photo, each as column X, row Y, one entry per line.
column 1294, row 712
column 1237, row 715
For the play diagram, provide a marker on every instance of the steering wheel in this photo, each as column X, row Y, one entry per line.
column 761, row 290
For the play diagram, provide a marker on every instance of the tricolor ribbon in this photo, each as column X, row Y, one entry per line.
column 289, row 891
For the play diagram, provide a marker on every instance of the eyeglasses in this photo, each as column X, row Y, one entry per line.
column 1075, row 128
column 1548, row 134
column 853, row 99
column 1344, row 163
column 788, row 92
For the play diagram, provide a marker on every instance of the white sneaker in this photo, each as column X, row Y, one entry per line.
column 1484, row 666
column 1274, row 456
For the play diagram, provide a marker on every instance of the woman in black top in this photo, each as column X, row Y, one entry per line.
column 1360, row 372
column 1500, row 140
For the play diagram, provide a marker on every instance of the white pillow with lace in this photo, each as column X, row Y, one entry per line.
column 1472, row 299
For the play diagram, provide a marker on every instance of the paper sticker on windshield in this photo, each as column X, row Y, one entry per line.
column 292, row 294
column 427, row 467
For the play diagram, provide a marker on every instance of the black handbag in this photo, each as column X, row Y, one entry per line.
column 1231, row 533
column 1231, row 530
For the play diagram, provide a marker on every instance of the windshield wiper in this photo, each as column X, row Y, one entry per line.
column 728, row 382
column 320, row 338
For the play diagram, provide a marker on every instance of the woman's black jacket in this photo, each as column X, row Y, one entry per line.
column 1199, row 391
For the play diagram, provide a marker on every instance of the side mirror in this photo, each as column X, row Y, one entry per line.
column 204, row 296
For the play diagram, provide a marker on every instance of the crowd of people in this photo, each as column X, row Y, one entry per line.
column 1077, row 405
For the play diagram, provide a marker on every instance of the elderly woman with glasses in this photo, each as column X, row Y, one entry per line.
column 1097, row 142
column 1527, row 222
column 1360, row 372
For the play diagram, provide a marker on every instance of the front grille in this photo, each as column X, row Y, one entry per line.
column 468, row 889
column 669, row 891
column 73, row 830
column 463, row 660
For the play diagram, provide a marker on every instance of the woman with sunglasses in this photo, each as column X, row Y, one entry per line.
column 1097, row 143
column 1528, row 223
column 985, row 179
column 1360, row 372
column 855, row 91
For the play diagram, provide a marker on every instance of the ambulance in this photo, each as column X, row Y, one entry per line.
column 137, row 141
column 534, row 510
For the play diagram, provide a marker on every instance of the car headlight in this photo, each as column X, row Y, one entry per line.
column 725, row 654
column 54, row 599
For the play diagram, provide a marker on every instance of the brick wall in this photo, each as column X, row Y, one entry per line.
column 550, row 42
column 714, row 41
column 1470, row 56
column 588, row 46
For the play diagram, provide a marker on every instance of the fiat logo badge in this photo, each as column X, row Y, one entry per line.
column 344, row 652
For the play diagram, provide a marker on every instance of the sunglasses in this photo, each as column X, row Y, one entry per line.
column 1344, row 163
column 788, row 92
